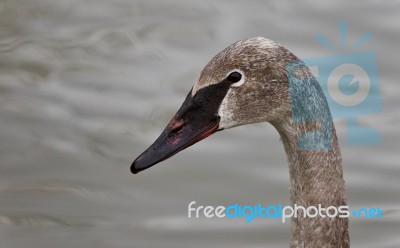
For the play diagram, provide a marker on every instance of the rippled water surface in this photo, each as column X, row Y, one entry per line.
column 85, row 86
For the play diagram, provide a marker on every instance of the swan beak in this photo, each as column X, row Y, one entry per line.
column 192, row 123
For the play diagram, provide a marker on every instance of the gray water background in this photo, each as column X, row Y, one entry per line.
column 86, row 86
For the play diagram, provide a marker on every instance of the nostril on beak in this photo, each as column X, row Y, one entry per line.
column 177, row 127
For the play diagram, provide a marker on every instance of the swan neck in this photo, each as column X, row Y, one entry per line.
column 316, row 177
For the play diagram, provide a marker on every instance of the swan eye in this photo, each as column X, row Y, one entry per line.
column 234, row 77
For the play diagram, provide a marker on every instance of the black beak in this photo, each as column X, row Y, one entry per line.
column 194, row 121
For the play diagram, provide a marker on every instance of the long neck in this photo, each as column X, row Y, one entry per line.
column 316, row 177
column 315, row 166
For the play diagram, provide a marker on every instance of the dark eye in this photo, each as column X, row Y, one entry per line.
column 234, row 77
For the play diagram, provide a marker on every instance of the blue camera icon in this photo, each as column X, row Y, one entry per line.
column 351, row 86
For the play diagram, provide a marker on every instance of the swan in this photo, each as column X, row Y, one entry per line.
column 258, row 80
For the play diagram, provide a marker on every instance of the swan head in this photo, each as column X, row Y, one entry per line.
column 260, row 93
column 245, row 83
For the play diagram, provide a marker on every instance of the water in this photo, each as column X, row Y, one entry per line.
column 86, row 86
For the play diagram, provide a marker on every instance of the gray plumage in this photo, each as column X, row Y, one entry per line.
column 316, row 176
column 258, row 80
